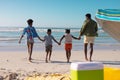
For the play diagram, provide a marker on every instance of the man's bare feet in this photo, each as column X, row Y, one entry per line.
column 86, row 59
column 46, row 61
column 90, row 60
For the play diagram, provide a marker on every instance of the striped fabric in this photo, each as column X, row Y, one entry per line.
column 108, row 14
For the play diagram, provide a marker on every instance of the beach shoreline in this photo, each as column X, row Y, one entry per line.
column 40, row 47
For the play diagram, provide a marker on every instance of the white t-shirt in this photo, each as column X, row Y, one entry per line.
column 68, row 38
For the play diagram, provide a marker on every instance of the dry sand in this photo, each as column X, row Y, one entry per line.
column 15, row 63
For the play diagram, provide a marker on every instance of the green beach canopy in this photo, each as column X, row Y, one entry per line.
column 109, row 20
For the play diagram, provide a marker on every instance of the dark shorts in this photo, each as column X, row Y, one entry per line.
column 48, row 48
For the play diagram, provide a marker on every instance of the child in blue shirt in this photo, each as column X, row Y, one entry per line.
column 31, row 34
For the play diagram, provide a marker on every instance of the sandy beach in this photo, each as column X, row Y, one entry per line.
column 15, row 61
column 23, row 20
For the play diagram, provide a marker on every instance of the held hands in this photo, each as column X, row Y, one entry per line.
column 59, row 43
column 79, row 37
column 41, row 39
column 19, row 41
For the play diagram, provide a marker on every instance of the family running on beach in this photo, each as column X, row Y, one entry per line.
column 89, row 30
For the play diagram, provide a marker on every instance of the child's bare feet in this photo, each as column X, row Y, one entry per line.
column 30, row 59
column 49, row 60
column 68, row 61
column 46, row 61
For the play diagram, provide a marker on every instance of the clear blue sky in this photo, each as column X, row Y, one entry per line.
column 51, row 13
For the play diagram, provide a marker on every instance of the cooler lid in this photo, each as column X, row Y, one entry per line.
column 86, row 65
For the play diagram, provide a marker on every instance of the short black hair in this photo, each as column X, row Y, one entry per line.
column 67, row 30
column 88, row 15
column 29, row 21
column 49, row 30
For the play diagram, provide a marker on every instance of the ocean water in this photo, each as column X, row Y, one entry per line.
column 9, row 36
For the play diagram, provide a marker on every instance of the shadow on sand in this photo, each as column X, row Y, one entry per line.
column 111, row 62
column 37, row 61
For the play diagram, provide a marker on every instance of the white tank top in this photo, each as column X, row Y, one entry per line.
column 68, row 38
